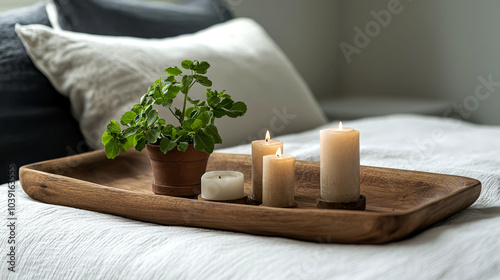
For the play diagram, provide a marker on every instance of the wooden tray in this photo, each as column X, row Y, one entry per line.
column 399, row 202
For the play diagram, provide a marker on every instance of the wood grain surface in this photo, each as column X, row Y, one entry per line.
column 399, row 203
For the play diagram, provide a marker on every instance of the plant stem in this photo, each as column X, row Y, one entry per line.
column 184, row 106
column 175, row 115
column 185, row 97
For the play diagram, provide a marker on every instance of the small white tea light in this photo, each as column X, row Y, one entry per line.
column 222, row 185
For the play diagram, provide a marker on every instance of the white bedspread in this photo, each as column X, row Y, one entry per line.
column 55, row 242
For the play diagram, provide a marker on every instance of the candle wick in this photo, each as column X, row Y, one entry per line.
column 267, row 140
column 220, row 177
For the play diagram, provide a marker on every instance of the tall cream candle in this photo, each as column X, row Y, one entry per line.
column 261, row 148
column 278, row 182
column 339, row 164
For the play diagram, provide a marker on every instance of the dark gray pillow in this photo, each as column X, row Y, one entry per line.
column 143, row 19
column 35, row 121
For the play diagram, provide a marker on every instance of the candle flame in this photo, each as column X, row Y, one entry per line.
column 340, row 125
column 268, row 136
column 278, row 152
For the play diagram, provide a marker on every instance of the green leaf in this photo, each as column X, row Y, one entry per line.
column 165, row 87
column 197, row 124
column 112, row 148
column 184, row 135
column 144, row 100
column 202, row 67
column 219, row 113
column 157, row 94
column 212, row 131
column 152, row 135
column 113, row 127
column 167, row 103
column 238, row 110
column 186, row 84
column 227, row 103
column 161, row 121
column 105, row 138
column 182, row 146
column 203, row 142
column 223, row 94
column 137, row 108
column 128, row 117
column 167, row 129
column 173, row 71
column 211, row 93
column 138, row 119
column 195, row 64
column 170, row 79
column 152, row 116
column 173, row 132
column 141, row 144
column 172, row 92
column 186, row 64
column 204, row 118
column 194, row 102
column 130, row 131
column 129, row 143
column 167, row 145
column 190, row 112
column 204, row 81
column 213, row 101
column 187, row 124
column 151, row 88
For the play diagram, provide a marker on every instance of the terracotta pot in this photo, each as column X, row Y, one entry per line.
column 177, row 173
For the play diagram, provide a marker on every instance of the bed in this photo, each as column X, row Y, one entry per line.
column 65, row 243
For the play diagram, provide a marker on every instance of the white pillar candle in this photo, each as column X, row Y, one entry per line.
column 278, row 189
column 261, row 148
column 339, row 164
column 222, row 185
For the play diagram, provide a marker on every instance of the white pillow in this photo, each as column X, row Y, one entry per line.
column 105, row 76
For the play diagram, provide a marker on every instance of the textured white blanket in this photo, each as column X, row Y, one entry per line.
column 55, row 242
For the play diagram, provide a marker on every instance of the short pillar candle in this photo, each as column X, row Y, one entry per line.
column 339, row 164
column 278, row 189
column 222, row 185
column 261, row 148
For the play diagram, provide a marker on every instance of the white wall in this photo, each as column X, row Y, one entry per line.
column 431, row 49
column 434, row 49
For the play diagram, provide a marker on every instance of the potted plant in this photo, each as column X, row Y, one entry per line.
column 178, row 152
